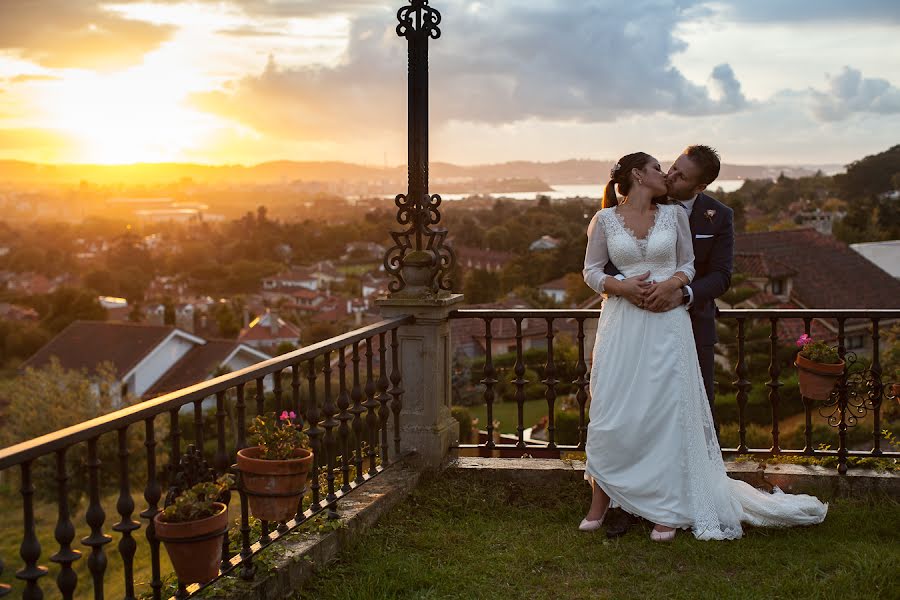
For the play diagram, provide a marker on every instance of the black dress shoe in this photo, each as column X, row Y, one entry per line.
column 618, row 522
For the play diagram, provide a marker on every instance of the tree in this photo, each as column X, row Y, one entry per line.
column 66, row 305
column 577, row 291
column 41, row 401
column 481, row 286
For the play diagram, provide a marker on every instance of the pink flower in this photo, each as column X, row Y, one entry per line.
column 803, row 340
column 284, row 415
column 292, row 415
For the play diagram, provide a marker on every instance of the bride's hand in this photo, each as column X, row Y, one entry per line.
column 634, row 289
column 663, row 296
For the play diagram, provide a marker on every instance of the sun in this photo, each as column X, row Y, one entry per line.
column 137, row 115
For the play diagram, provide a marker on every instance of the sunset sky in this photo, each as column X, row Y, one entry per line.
column 247, row 81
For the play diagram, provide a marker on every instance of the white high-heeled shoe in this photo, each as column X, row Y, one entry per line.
column 662, row 536
column 587, row 525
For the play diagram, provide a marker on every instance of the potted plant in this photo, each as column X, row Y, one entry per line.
column 274, row 471
column 192, row 529
column 818, row 367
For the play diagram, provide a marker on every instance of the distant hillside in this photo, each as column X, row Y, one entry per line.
column 567, row 171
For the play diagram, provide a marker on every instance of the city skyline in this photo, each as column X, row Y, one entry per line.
column 258, row 80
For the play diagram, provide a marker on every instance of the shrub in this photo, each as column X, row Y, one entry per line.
column 464, row 417
column 566, row 423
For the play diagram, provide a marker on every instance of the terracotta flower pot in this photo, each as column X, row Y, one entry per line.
column 273, row 487
column 195, row 547
column 817, row 379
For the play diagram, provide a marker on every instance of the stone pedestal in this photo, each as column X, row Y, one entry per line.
column 425, row 356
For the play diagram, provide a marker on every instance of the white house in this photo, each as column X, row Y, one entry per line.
column 144, row 357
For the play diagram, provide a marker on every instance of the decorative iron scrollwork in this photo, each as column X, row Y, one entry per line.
column 192, row 469
column 864, row 392
column 418, row 17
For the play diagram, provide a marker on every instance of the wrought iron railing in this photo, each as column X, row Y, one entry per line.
column 859, row 392
column 358, row 415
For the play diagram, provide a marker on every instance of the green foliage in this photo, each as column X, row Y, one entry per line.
column 277, row 437
column 464, row 417
column 41, row 401
column 198, row 502
column 566, row 425
column 819, row 352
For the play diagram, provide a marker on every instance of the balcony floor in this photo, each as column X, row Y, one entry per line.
column 460, row 535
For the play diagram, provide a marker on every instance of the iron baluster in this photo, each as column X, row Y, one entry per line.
column 743, row 385
column 296, row 404
column 222, row 459
column 30, row 549
column 774, row 383
column 842, row 402
column 125, row 506
column 67, row 579
column 260, row 395
column 520, row 382
column 383, row 397
column 581, row 381
column 95, row 517
column 175, row 442
column 315, row 433
column 198, row 424
column 875, row 389
column 344, row 417
column 396, row 389
column 276, row 391
column 357, row 410
column 152, row 494
column 371, row 405
column 241, row 409
column 808, row 404
column 488, row 381
column 550, row 381
column 328, row 411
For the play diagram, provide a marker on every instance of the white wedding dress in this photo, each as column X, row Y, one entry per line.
column 651, row 445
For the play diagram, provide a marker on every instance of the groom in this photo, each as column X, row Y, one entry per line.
column 712, row 228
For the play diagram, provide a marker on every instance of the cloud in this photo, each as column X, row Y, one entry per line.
column 810, row 11
column 497, row 63
column 849, row 93
column 34, row 139
column 66, row 33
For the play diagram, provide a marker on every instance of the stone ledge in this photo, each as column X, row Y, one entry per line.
column 295, row 557
column 822, row 482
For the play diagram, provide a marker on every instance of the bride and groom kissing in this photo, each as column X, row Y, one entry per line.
column 662, row 255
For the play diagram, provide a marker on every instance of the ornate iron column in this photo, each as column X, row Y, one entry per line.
column 419, row 262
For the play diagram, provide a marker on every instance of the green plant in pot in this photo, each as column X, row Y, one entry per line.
column 819, row 366
column 192, row 529
column 275, row 469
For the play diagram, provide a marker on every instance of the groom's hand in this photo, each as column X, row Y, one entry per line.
column 662, row 299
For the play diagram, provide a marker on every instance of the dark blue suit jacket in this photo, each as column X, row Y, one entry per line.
column 712, row 225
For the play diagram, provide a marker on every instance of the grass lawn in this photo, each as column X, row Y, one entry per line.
column 464, row 537
column 508, row 414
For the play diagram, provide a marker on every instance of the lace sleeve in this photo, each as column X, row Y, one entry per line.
column 597, row 255
column 684, row 245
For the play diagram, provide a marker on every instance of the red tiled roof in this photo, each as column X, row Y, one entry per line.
column 259, row 330
column 759, row 265
column 85, row 344
column 828, row 273
column 195, row 366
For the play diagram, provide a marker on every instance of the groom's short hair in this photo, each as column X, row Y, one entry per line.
column 707, row 159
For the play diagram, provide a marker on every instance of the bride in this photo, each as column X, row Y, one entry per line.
column 651, row 444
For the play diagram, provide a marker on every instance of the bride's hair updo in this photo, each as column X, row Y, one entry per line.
column 620, row 175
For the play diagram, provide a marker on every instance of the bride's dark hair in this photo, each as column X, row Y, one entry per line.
column 620, row 175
